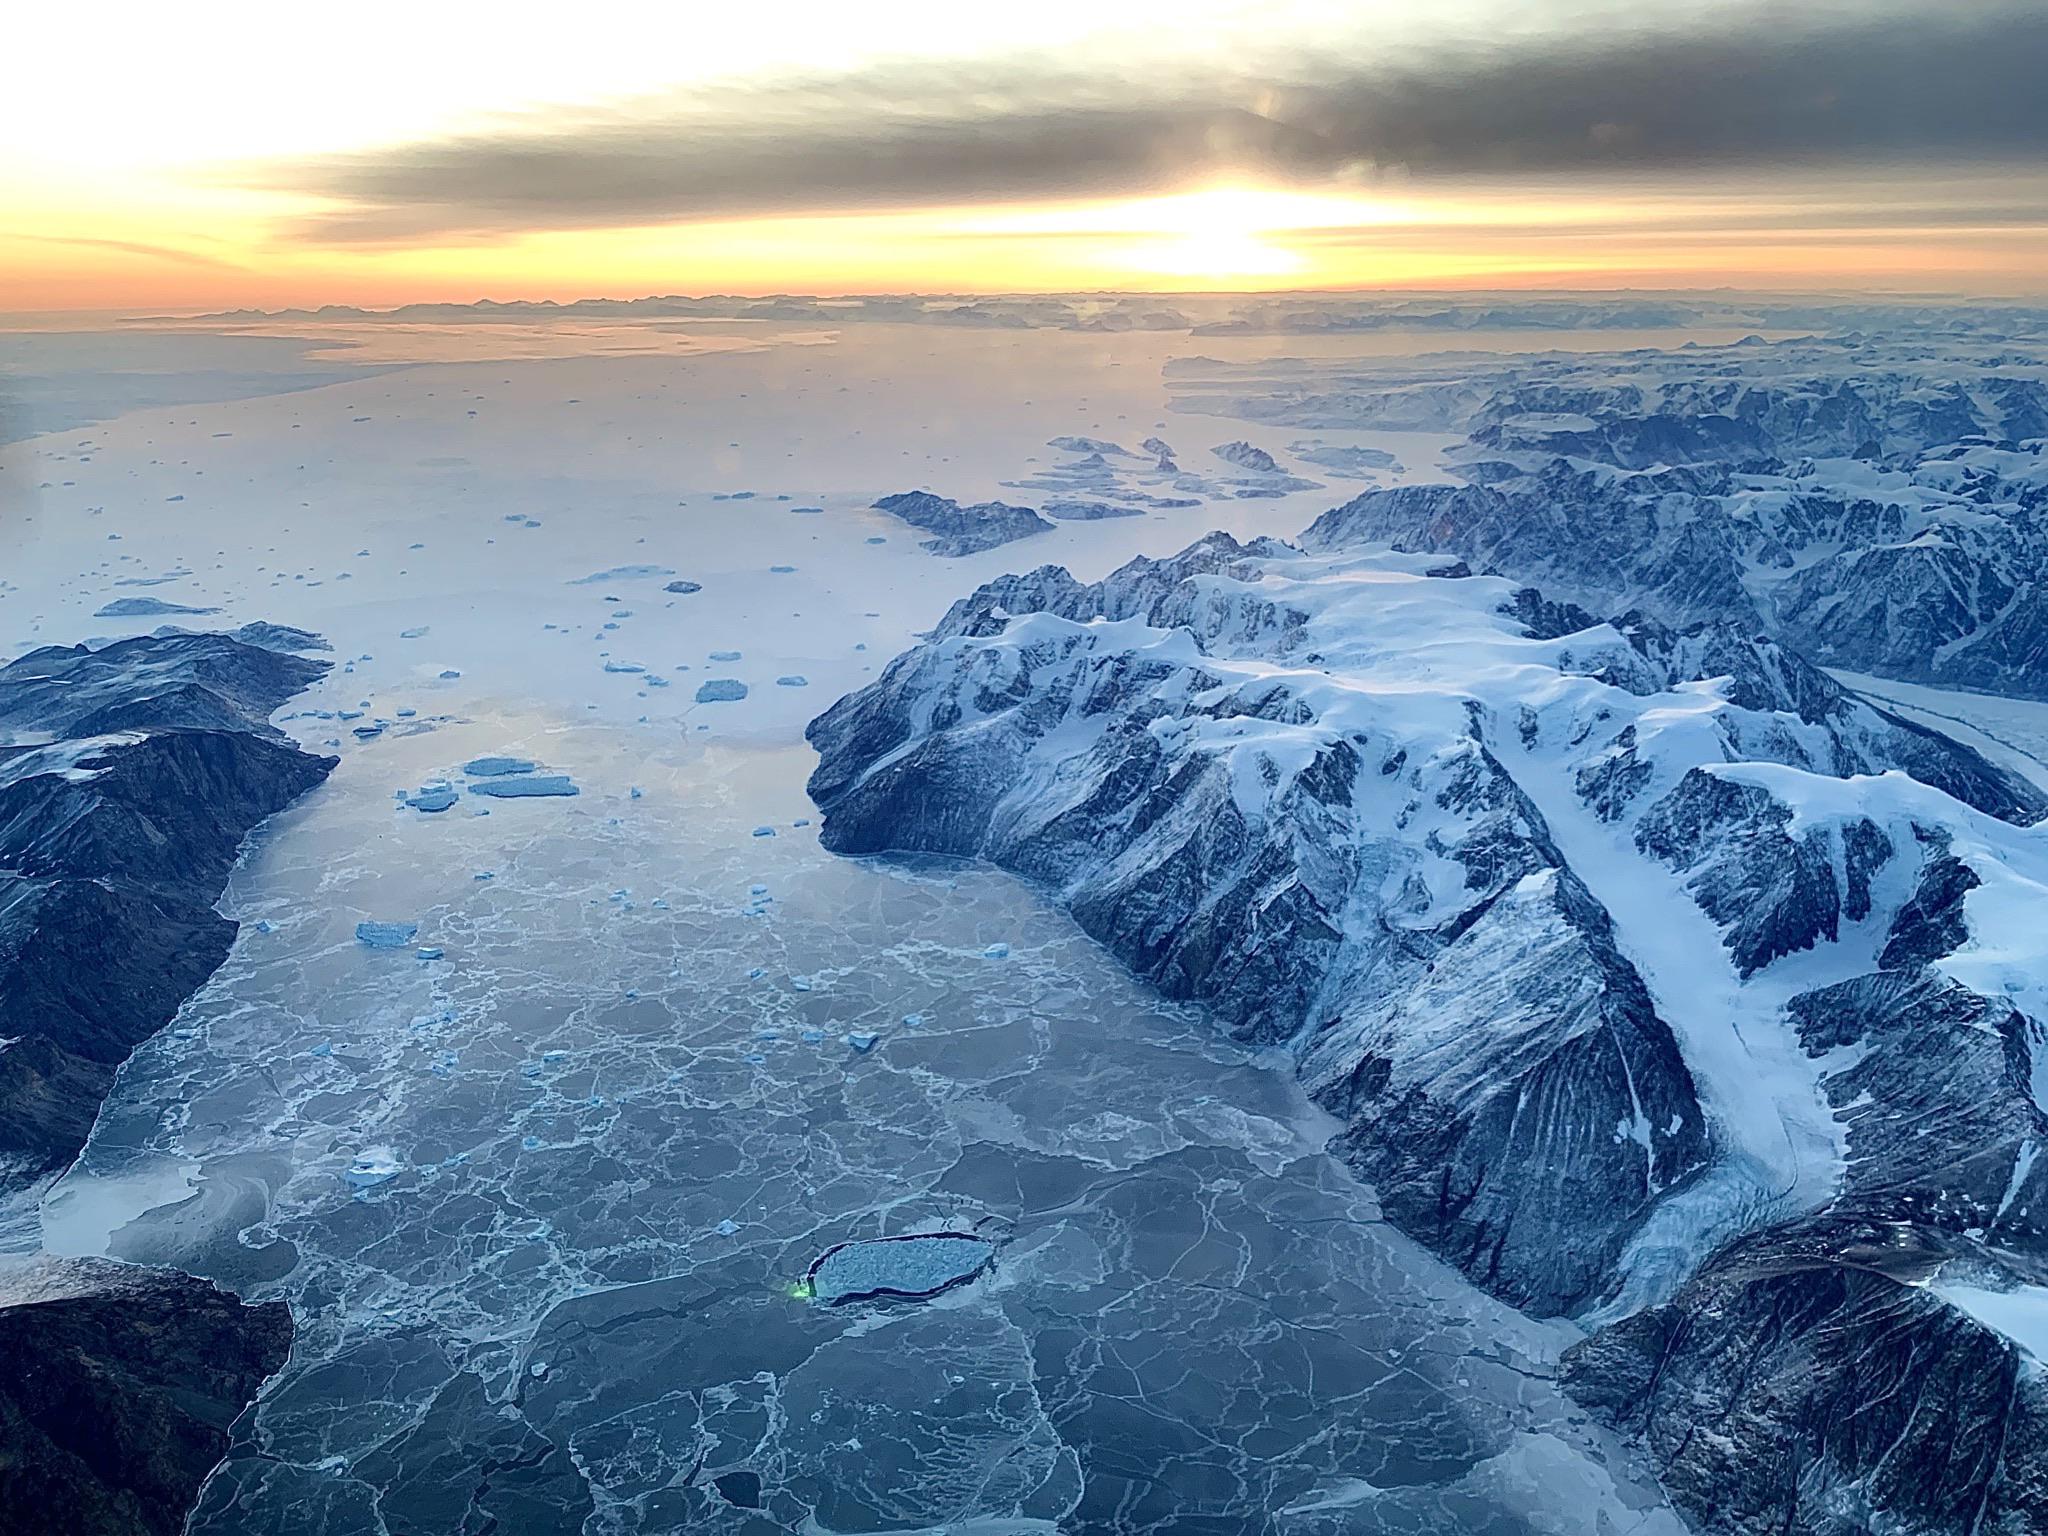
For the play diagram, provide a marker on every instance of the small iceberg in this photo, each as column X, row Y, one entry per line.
column 912, row 1268
column 1089, row 511
column 373, row 1166
column 721, row 690
column 144, row 608
column 432, row 798
column 621, row 573
column 497, row 767
column 374, row 935
column 1088, row 445
column 793, row 680
column 526, row 786
column 684, row 588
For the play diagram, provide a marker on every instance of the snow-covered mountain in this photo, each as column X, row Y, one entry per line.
column 1882, row 505
column 1614, row 945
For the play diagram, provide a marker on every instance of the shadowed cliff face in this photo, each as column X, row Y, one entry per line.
column 134, row 773
column 118, row 1390
column 1807, row 1382
column 130, row 777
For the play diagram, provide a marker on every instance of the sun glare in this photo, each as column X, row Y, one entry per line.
column 1218, row 233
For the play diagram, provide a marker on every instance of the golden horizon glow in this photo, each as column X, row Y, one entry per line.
column 1234, row 236
column 134, row 174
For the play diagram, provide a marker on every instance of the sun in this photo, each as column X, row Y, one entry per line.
column 1221, row 233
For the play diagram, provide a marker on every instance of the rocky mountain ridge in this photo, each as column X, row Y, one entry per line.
column 1613, row 946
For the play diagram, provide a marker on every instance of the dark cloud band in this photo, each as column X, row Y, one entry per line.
column 1778, row 87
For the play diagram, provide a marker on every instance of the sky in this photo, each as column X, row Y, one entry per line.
column 227, row 154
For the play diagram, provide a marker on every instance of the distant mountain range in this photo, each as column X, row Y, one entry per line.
column 1238, row 314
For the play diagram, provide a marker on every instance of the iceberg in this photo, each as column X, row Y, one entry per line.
column 621, row 573
column 526, row 786
column 143, row 608
column 373, row 1166
column 914, row 1267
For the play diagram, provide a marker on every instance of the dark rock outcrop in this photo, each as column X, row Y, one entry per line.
column 958, row 530
column 118, row 829
column 119, row 1387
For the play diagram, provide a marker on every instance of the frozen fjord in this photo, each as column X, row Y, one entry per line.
column 546, row 1205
